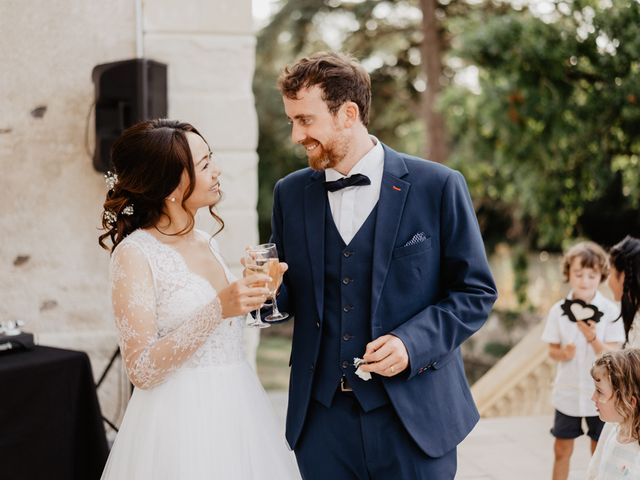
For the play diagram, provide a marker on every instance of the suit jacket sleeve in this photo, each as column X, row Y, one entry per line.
column 468, row 289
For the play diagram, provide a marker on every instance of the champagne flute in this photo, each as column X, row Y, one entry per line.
column 276, row 277
column 257, row 261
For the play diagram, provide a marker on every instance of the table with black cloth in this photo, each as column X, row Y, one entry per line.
column 50, row 422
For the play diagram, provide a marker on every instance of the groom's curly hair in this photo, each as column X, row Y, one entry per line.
column 149, row 159
column 341, row 78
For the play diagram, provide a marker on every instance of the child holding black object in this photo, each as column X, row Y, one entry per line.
column 578, row 329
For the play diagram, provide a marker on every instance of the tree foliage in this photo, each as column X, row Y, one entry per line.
column 554, row 129
column 547, row 139
column 386, row 36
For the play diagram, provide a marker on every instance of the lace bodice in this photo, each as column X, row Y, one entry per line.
column 167, row 316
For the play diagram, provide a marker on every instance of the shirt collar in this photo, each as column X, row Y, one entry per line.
column 368, row 165
column 598, row 299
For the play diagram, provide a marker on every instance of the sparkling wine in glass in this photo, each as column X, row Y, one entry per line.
column 276, row 277
column 256, row 260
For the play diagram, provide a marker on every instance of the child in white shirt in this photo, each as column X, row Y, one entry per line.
column 578, row 329
column 617, row 399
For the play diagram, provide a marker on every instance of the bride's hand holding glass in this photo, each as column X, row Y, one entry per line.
column 245, row 295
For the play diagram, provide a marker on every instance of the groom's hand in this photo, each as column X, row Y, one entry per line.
column 386, row 356
column 283, row 268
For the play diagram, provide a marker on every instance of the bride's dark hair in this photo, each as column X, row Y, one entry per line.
column 149, row 159
column 625, row 257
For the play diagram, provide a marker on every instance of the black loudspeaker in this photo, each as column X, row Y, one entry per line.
column 126, row 93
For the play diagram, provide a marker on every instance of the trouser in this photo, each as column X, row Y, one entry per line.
column 343, row 443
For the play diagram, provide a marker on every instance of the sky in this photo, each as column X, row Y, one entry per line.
column 261, row 10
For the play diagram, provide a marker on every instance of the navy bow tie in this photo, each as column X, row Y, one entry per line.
column 352, row 181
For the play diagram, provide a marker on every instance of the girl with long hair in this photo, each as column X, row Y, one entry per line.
column 617, row 398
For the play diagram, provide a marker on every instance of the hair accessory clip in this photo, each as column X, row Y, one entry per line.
column 110, row 179
column 110, row 217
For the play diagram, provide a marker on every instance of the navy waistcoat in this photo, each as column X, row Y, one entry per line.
column 346, row 328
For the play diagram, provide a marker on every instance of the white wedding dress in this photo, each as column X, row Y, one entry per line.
column 199, row 411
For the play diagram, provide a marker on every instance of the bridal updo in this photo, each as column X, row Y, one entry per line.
column 148, row 159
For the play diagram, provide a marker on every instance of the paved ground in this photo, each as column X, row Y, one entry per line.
column 515, row 448
column 511, row 448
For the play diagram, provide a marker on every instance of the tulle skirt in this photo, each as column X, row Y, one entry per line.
column 206, row 423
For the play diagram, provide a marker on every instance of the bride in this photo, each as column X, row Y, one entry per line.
column 198, row 410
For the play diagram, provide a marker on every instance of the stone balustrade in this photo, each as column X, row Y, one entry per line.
column 520, row 383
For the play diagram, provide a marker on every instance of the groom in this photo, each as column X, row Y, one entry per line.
column 386, row 263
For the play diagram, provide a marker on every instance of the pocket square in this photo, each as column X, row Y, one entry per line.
column 417, row 238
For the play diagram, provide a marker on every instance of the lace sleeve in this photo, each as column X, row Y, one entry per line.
column 149, row 358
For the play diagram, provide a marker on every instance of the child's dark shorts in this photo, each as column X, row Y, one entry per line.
column 568, row 427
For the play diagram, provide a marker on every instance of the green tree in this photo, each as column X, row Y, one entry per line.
column 554, row 132
column 392, row 39
column 548, row 141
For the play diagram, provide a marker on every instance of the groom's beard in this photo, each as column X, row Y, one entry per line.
column 326, row 155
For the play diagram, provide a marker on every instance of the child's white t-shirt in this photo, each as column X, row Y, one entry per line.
column 614, row 460
column 573, row 385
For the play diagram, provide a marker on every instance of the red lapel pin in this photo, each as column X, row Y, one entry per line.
column 397, row 189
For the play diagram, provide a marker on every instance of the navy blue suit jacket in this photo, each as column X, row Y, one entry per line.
column 433, row 295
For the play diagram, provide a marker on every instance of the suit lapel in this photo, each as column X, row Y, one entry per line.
column 315, row 200
column 393, row 195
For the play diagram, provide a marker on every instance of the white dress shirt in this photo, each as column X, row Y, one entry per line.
column 351, row 206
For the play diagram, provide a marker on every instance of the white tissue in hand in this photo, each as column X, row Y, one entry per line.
column 363, row 375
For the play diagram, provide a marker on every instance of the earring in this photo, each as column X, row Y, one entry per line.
column 173, row 199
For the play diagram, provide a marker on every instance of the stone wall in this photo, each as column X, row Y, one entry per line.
column 53, row 275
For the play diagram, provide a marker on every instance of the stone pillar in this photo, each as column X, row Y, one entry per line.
column 210, row 50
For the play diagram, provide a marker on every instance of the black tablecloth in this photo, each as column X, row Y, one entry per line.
column 50, row 422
